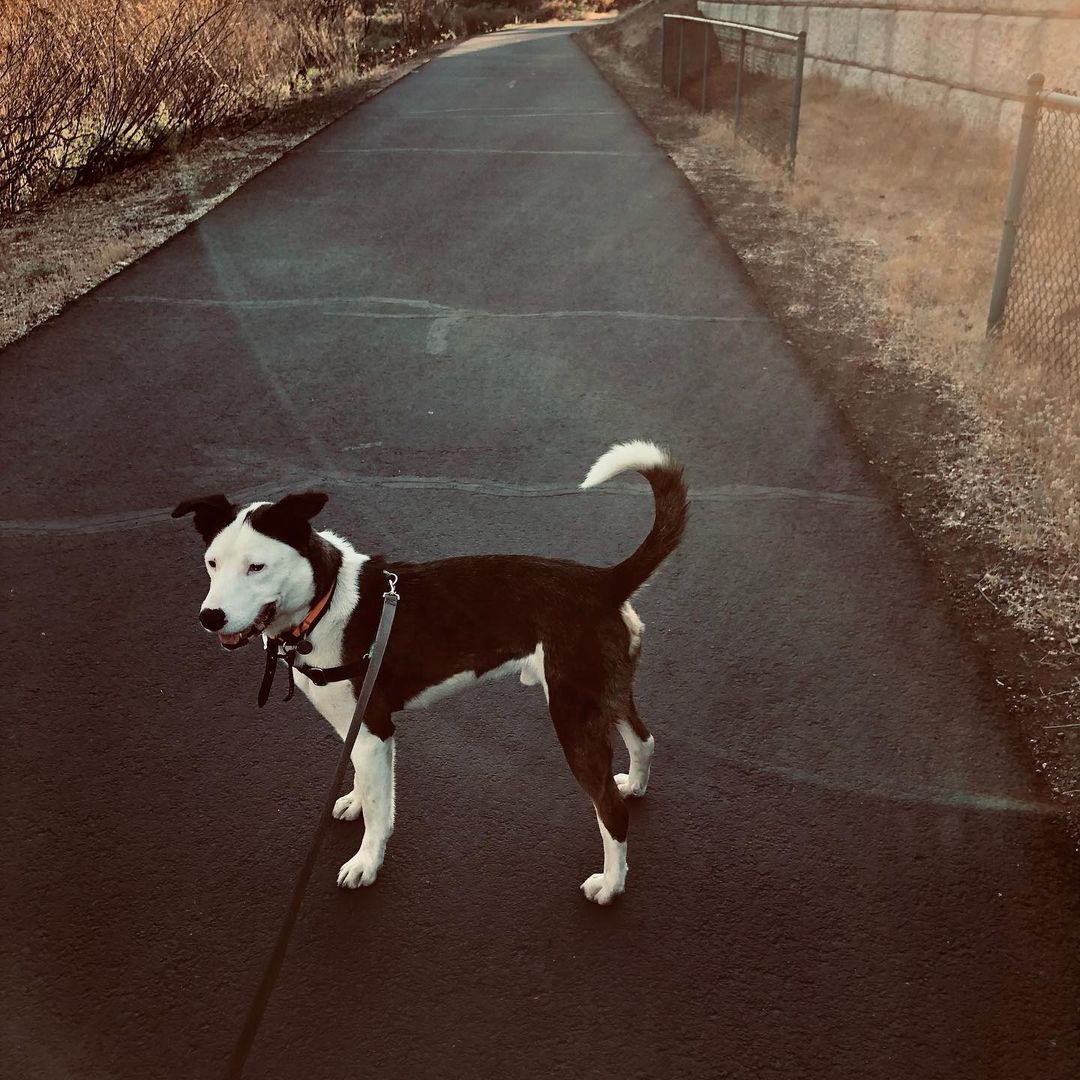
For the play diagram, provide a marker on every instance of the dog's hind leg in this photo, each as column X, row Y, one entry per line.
column 583, row 732
column 640, row 745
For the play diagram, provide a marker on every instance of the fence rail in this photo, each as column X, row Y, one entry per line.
column 1035, row 306
column 750, row 72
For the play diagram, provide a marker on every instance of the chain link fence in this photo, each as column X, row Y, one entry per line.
column 751, row 74
column 1035, row 309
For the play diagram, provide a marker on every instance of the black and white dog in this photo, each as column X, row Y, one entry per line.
column 567, row 627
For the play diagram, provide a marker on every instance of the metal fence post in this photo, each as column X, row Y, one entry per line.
column 663, row 52
column 738, row 79
column 705, row 69
column 678, row 82
column 796, row 102
column 1014, row 202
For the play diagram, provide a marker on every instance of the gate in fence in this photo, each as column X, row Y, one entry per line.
column 1035, row 307
column 752, row 74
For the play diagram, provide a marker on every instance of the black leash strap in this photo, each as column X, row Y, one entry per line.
column 274, row 653
column 273, row 966
column 321, row 676
column 268, row 672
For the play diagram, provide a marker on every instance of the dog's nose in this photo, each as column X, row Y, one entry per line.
column 212, row 618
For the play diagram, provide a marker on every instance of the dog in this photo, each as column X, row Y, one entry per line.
column 564, row 626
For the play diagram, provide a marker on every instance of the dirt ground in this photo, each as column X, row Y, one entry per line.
column 958, row 474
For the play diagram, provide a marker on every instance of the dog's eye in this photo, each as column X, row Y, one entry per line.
column 212, row 563
column 255, row 567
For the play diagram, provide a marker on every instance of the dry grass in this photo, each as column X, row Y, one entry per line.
column 928, row 192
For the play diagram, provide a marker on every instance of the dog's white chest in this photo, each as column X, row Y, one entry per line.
column 335, row 702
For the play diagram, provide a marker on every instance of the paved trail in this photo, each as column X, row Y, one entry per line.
column 442, row 309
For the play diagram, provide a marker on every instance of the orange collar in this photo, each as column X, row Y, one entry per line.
column 312, row 616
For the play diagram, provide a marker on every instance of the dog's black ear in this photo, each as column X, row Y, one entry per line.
column 302, row 507
column 288, row 520
column 212, row 514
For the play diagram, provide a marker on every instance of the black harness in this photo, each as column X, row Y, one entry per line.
column 294, row 643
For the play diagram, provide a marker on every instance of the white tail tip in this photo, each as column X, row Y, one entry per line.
column 626, row 457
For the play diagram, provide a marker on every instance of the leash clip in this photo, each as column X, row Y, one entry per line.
column 392, row 590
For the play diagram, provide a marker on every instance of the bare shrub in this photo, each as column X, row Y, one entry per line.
column 479, row 18
column 86, row 85
column 548, row 10
column 299, row 42
column 46, row 91
column 156, row 76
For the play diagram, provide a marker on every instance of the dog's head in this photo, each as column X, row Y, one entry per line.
column 261, row 575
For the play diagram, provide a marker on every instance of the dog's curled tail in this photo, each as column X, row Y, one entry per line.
column 665, row 477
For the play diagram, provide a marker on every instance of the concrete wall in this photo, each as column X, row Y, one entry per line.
column 932, row 52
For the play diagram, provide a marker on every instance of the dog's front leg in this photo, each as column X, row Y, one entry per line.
column 373, row 777
column 373, row 787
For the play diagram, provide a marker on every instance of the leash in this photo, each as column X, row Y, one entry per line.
column 277, row 956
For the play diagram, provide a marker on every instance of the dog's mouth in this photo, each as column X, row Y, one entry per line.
column 262, row 621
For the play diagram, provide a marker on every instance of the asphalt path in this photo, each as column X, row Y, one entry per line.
column 441, row 310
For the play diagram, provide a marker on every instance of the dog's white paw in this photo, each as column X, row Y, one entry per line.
column 628, row 787
column 599, row 890
column 361, row 869
column 348, row 807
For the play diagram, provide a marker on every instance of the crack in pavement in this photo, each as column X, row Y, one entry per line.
column 146, row 518
column 494, row 114
column 425, row 309
column 484, row 150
